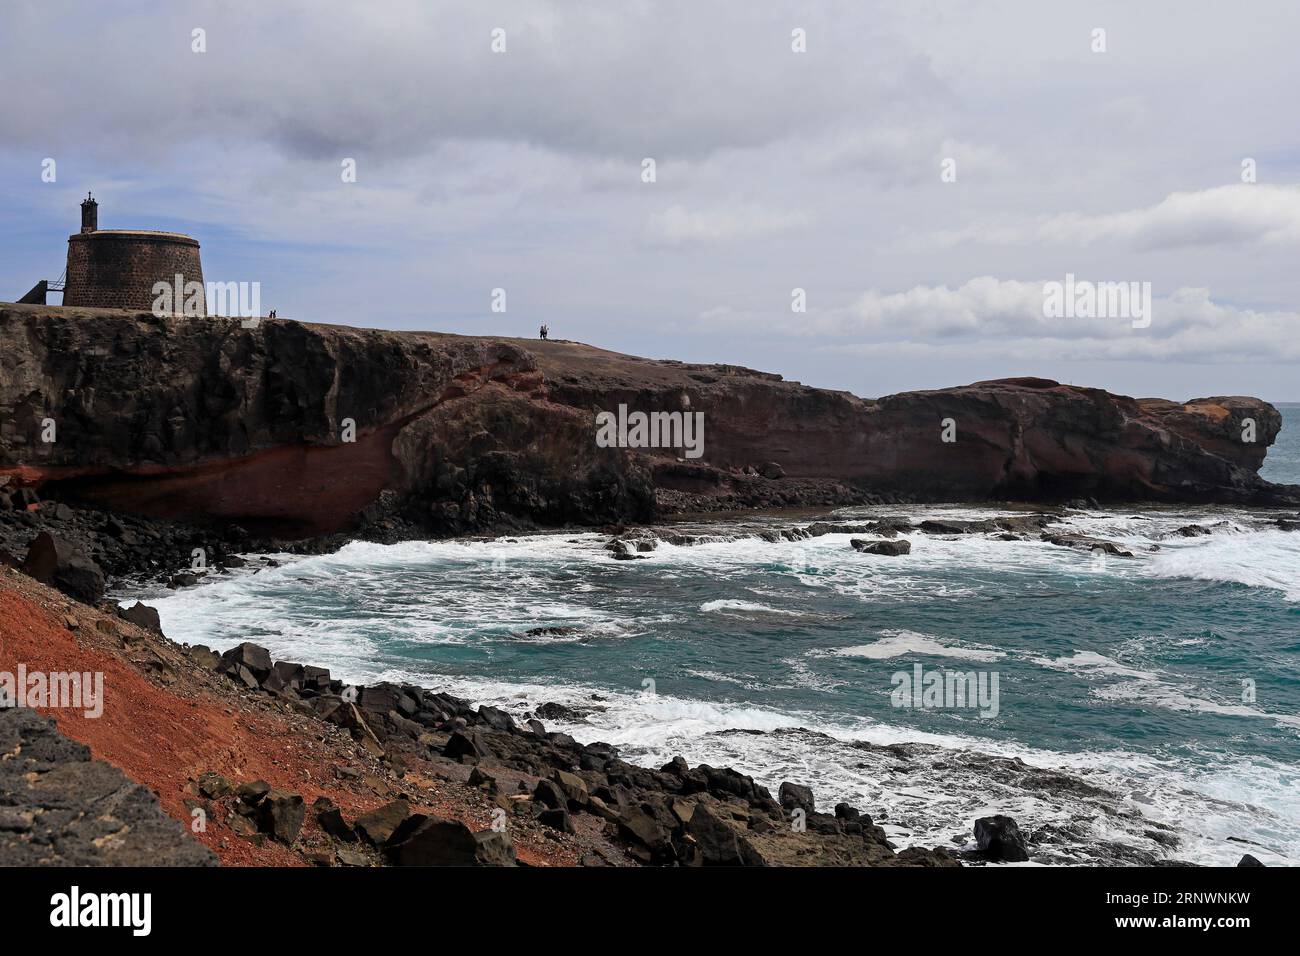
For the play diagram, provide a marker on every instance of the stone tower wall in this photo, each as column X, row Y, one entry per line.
column 117, row 270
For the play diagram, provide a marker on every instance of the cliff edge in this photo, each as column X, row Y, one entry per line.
column 298, row 429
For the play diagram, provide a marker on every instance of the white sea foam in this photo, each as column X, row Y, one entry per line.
column 1172, row 697
column 802, row 675
column 1090, row 662
column 1262, row 559
column 1151, row 689
column 911, row 644
column 732, row 605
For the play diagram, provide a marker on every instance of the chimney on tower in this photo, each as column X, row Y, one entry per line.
column 89, row 214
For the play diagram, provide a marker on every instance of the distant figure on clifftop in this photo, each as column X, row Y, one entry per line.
column 543, row 332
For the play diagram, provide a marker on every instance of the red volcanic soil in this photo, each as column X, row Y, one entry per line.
column 268, row 486
column 166, row 720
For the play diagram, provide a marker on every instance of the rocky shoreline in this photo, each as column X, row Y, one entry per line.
column 529, row 785
column 124, row 549
column 674, row 815
column 518, row 772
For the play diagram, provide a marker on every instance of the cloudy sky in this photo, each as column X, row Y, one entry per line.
column 774, row 170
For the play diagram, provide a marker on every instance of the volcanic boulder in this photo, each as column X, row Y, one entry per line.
column 882, row 546
column 377, row 826
column 1000, row 840
column 142, row 615
column 281, row 814
column 433, row 842
column 61, row 565
column 794, row 796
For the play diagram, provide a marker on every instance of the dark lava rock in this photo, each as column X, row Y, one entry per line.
column 316, row 677
column 462, row 744
column 352, row 857
column 434, row 842
column 204, row 655
column 291, row 676
column 253, row 793
column 554, row 711
column 957, row 527
column 381, row 698
column 921, row 856
column 482, row 779
column 213, row 786
column 1000, row 839
column 677, row 765
column 716, row 843
column 882, row 546
column 1162, row 837
column 496, row 718
column 61, row 808
column 844, row 811
column 142, row 615
column 61, row 565
column 556, row 630
column 556, row 820
column 281, row 815
column 794, row 796
column 1083, row 542
column 1248, row 860
column 549, row 794
column 331, row 821
column 651, row 840
column 573, row 787
column 256, row 660
column 1024, row 524
column 490, row 471
column 377, row 826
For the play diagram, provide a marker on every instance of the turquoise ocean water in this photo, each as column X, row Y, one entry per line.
column 1153, row 702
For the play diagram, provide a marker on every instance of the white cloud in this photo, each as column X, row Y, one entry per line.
column 988, row 317
column 318, row 77
column 678, row 225
column 1223, row 215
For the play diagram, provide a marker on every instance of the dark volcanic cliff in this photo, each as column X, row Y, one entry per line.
column 189, row 418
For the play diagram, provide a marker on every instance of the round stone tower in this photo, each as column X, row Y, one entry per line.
column 118, row 268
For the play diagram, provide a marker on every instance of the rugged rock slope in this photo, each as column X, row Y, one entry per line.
column 59, row 807
column 191, row 419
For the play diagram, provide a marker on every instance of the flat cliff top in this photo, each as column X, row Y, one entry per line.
column 577, row 362
column 584, row 366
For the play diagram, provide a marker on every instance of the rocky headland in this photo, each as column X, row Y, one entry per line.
column 294, row 430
